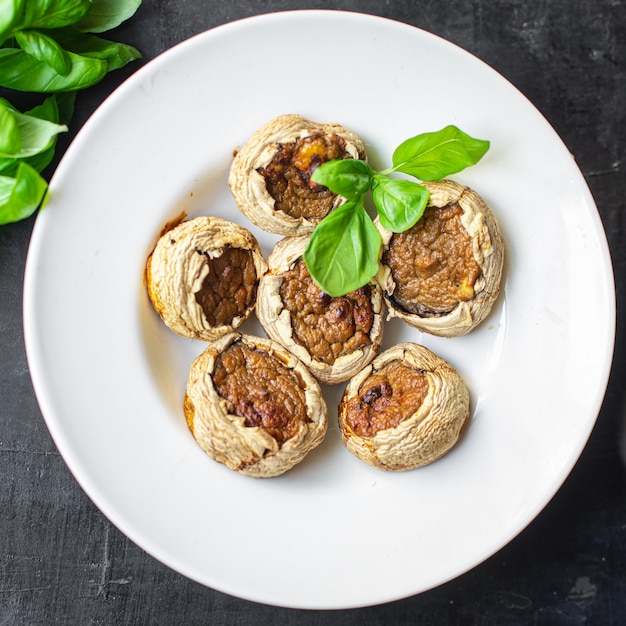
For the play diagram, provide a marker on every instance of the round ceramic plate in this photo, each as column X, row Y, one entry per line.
column 110, row 378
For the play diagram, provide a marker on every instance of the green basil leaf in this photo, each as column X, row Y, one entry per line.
column 107, row 14
column 115, row 54
column 64, row 103
column 20, row 196
column 10, row 135
column 433, row 156
column 57, row 108
column 47, row 110
column 39, row 161
column 53, row 13
column 8, row 167
column 37, row 135
column 349, row 178
column 400, row 203
column 343, row 251
column 22, row 72
column 10, row 14
column 44, row 48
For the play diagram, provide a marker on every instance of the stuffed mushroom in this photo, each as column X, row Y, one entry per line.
column 443, row 275
column 202, row 276
column 270, row 176
column 333, row 336
column 405, row 410
column 253, row 406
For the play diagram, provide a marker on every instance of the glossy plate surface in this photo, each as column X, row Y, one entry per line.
column 110, row 377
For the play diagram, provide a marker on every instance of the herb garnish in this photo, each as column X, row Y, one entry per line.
column 49, row 46
column 344, row 249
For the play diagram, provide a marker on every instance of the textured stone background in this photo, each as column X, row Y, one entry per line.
column 61, row 562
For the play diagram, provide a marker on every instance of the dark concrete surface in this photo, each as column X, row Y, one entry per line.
column 62, row 562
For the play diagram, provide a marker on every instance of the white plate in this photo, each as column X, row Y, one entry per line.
column 110, row 377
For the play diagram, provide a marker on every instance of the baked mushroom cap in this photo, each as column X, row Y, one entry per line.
column 202, row 277
column 443, row 275
column 270, row 177
column 333, row 337
column 253, row 406
column 405, row 410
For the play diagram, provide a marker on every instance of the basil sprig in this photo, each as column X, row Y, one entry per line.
column 49, row 46
column 343, row 252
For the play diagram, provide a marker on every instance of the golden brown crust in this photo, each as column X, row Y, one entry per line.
column 223, row 434
column 178, row 276
column 277, row 320
column 432, row 429
column 249, row 187
column 488, row 252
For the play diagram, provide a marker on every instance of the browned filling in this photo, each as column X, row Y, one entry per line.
column 327, row 327
column 261, row 390
column 288, row 175
column 387, row 398
column 432, row 263
column 229, row 288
